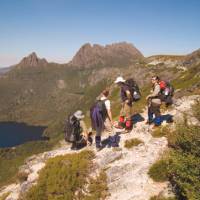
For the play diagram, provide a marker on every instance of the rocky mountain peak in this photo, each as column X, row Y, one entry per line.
column 92, row 55
column 32, row 60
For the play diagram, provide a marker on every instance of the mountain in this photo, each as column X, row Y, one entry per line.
column 32, row 60
column 93, row 55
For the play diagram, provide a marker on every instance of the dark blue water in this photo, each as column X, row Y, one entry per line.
column 13, row 134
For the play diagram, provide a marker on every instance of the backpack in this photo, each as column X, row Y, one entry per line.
column 166, row 88
column 98, row 114
column 134, row 89
column 167, row 92
column 72, row 129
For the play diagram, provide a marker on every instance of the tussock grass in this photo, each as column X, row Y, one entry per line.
column 161, row 131
column 159, row 171
column 132, row 142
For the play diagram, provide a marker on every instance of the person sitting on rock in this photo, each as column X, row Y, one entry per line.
column 154, row 103
column 76, row 131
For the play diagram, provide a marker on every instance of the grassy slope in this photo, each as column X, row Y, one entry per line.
column 66, row 177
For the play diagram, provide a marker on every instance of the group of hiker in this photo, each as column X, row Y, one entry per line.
column 77, row 133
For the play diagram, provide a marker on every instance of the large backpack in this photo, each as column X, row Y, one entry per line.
column 98, row 114
column 167, row 92
column 134, row 89
column 72, row 129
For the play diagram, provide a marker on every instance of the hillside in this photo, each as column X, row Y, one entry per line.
column 124, row 173
column 44, row 95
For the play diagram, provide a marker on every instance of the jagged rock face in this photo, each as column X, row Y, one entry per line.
column 32, row 61
column 89, row 55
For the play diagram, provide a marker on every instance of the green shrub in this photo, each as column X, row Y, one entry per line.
column 132, row 142
column 187, row 139
column 12, row 158
column 159, row 171
column 67, row 177
column 63, row 177
column 184, row 173
column 182, row 165
column 97, row 188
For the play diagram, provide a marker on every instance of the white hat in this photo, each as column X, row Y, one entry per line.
column 79, row 114
column 119, row 80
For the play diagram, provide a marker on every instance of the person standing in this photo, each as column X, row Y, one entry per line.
column 126, row 109
column 101, row 117
column 154, row 103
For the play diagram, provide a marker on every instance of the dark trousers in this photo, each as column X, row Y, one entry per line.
column 154, row 109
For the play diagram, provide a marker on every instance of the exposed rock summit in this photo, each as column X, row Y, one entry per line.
column 32, row 60
column 92, row 55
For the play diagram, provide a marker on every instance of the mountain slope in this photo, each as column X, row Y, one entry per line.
column 126, row 169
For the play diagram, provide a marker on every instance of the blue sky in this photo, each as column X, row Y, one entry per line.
column 55, row 29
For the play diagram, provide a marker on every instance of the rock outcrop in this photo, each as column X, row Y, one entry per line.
column 32, row 60
column 93, row 55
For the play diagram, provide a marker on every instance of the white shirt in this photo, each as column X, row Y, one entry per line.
column 107, row 102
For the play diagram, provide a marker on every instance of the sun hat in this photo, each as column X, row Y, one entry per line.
column 119, row 80
column 79, row 114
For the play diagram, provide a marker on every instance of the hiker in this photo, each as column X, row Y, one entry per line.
column 154, row 103
column 125, row 113
column 101, row 118
column 76, row 131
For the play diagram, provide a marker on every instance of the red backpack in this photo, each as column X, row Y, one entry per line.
column 163, row 85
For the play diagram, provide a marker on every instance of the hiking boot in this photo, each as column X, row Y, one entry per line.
column 109, row 144
column 98, row 143
column 129, row 125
